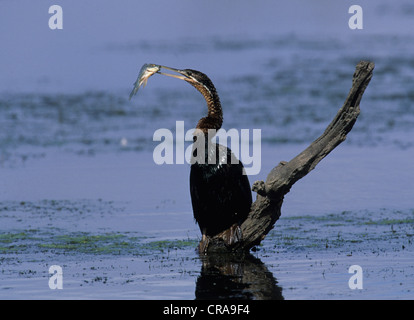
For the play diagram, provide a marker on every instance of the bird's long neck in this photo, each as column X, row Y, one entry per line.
column 214, row 118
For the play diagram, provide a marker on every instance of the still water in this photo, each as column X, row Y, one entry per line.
column 79, row 187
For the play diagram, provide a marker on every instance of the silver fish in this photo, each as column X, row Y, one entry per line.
column 147, row 70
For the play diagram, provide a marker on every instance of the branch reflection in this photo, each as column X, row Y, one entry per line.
column 236, row 277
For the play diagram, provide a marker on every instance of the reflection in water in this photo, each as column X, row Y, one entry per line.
column 236, row 277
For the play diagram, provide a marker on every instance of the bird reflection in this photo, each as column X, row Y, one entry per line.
column 236, row 277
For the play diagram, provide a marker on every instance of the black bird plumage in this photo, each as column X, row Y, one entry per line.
column 220, row 193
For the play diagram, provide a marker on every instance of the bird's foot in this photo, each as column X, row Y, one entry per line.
column 233, row 235
column 203, row 245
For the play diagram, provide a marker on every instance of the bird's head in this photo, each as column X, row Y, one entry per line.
column 193, row 77
column 205, row 86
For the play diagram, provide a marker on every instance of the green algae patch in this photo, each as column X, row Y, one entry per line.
column 108, row 243
column 33, row 241
column 17, row 242
column 12, row 237
column 391, row 221
column 113, row 243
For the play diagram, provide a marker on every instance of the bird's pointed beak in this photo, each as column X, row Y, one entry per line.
column 181, row 74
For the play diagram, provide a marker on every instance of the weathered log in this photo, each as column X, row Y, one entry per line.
column 266, row 210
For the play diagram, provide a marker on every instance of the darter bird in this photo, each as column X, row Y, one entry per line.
column 220, row 189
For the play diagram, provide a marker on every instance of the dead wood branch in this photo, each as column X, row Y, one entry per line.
column 266, row 210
